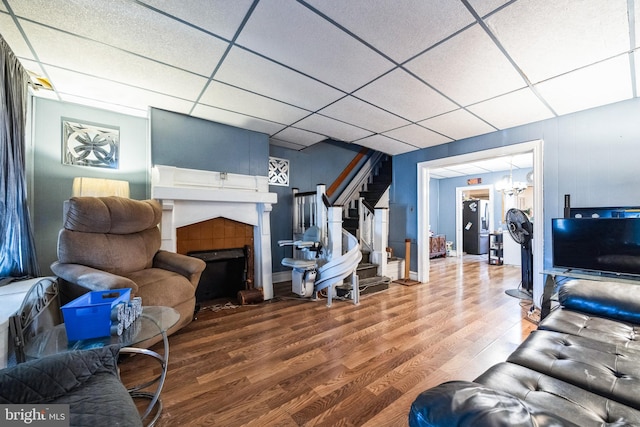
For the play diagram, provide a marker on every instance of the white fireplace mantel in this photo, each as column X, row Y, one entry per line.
column 189, row 196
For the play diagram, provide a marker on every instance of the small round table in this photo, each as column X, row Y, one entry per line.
column 154, row 321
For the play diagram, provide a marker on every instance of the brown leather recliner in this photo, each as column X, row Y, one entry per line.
column 114, row 242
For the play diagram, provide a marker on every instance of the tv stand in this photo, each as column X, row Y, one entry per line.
column 551, row 283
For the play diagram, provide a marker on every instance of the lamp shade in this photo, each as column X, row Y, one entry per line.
column 99, row 187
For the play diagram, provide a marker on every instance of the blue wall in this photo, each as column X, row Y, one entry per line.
column 188, row 142
column 592, row 155
column 52, row 181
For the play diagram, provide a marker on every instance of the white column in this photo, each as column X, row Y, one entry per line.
column 167, row 229
column 380, row 239
column 262, row 257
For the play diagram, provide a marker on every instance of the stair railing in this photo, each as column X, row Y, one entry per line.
column 351, row 193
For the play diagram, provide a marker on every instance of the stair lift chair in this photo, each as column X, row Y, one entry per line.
column 305, row 271
column 309, row 276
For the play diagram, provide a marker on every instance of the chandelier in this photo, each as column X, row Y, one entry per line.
column 508, row 186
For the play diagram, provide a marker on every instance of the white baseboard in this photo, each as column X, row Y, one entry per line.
column 281, row 276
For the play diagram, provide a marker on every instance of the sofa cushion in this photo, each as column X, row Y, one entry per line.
column 469, row 404
column 573, row 404
column 86, row 380
column 601, row 298
column 607, row 369
column 592, row 327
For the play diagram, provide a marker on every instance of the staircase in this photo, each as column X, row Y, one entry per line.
column 368, row 279
column 369, row 195
column 371, row 191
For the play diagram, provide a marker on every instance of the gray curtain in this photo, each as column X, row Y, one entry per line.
column 17, row 248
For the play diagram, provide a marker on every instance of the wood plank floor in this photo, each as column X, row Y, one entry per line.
column 298, row 363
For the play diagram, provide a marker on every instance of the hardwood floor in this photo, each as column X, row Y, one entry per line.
column 291, row 363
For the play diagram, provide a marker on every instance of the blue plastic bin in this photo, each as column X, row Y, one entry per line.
column 89, row 316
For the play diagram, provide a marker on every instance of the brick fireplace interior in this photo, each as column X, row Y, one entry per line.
column 220, row 243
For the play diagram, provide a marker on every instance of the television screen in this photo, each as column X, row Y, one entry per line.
column 609, row 245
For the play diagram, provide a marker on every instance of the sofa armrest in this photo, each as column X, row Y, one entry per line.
column 470, row 404
column 91, row 278
column 48, row 378
column 187, row 266
column 614, row 300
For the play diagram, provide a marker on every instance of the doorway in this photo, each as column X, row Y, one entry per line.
column 536, row 148
column 476, row 192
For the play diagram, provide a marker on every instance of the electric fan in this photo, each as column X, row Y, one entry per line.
column 521, row 230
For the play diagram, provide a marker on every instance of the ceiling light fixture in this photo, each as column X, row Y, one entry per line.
column 508, row 186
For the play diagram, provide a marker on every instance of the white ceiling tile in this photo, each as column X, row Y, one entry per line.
column 417, row 136
column 299, row 136
column 548, row 38
column 286, row 144
column 483, row 7
column 522, row 161
column 14, row 39
column 592, row 86
column 132, row 27
column 386, row 145
column 468, row 68
column 332, row 128
column 108, row 92
column 470, row 169
column 512, row 109
column 405, row 96
column 284, row 30
column 109, row 63
column 235, row 119
column 443, row 173
column 494, row 165
column 256, row 74
column 220, row 17
column 364, row 115
column 141, row 112
column 399, row 29
column 458, row 124
column 237, row 100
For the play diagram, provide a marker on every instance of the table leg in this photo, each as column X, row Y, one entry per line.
column 136, row 391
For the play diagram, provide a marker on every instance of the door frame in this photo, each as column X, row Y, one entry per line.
column 423, row 176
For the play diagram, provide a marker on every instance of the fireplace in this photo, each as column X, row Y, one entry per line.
column 190, row 197
column 225, row 275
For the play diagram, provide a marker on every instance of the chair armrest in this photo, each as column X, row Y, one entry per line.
column 91, row 278
column 187, row 266
column 285, row 242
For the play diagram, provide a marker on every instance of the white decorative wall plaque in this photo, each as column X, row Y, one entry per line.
column 85, row 144
column 278, row 171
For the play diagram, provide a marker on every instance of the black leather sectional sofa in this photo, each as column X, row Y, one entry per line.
column 581, row 367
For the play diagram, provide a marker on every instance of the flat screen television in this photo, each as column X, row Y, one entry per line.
column 602, row 245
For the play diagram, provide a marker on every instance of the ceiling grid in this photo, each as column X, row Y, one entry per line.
column 392, row 75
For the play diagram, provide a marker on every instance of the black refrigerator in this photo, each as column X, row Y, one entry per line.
column 475, row 226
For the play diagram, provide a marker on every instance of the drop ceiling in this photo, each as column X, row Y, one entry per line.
column 392, row 75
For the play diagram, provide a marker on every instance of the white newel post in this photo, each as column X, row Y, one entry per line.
column 380, row 239
column 335, row 231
